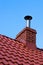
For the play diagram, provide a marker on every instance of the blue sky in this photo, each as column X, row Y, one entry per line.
column 12, row 14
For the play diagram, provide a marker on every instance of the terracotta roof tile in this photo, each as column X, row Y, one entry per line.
column 13, row 52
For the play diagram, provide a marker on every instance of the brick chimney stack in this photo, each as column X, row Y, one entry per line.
column 28, row 35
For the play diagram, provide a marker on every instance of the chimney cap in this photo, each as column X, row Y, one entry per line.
column 28, row 17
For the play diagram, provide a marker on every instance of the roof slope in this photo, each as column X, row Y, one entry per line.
column 13, row 52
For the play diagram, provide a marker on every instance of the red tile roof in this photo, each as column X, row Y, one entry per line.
column 13, row 52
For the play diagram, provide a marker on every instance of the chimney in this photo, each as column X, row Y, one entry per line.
column 28, row 35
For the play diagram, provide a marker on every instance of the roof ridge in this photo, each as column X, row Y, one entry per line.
column 24, row 44
column 6, row 36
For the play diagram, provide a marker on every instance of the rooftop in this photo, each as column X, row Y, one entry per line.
column 22, row 50
column 13, row 52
